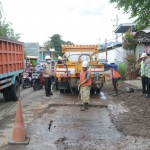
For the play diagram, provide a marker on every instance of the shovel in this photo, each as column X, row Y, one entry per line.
column 78, row 97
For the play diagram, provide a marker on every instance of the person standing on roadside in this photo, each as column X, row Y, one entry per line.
column 85, row 85
column 147, row 64
column 114, row 75
column 59, row 60
column 144, row 77
column 47, row 73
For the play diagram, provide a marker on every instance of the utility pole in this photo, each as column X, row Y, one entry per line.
column 116, row 26
column 106, row 47
column 99, row 40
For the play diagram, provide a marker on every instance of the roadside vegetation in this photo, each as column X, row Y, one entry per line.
column 122, row 68
column 5, row 27
column 55, row 42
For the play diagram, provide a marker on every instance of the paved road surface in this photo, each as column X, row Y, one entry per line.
column 71, row 129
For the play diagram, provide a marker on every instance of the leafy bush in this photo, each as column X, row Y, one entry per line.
column 122, row 70
column 130, row 58
column 33, row 62
column 129, row 41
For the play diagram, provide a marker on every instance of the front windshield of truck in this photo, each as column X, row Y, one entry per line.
column 75, row 56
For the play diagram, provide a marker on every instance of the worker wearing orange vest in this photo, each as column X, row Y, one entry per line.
column 85, row 85
column 114, row 75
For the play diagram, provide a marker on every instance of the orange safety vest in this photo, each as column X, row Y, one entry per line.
column 83, row 77
column 114, row 74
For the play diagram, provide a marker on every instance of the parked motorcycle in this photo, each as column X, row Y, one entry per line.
column 27, row 80
column 36, row 79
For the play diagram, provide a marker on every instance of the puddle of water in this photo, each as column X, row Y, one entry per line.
column 117, row 109
column 102, row 95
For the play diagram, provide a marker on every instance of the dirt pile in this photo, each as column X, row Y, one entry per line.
column 136, row 121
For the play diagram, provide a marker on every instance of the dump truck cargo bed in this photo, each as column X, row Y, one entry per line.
column 11, row 56
column 11, row 68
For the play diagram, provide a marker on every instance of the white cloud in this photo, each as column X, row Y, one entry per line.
column 80, row 21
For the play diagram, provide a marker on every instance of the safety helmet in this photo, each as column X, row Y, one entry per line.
column 85, row 64
column 112, row 61
column 47, row 57
column 143, row 55
column 59, row 57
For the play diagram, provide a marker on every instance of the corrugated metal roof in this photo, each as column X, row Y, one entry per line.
column 122, row 28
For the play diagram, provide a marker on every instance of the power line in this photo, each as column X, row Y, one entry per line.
column 111, row 39
column 114, row 38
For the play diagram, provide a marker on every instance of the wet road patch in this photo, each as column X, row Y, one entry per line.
column 63, row 127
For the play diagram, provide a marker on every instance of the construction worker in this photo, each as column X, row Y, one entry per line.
column 147, row 65
column 47, row 73
column 85, row 85
column 59, row 60
column 114, row 75
column 144, row 77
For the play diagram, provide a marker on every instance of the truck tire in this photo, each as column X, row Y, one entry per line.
column 24, row 84
column 15, row 91
column 35, row 86
column 7, row 94
column 98, row 91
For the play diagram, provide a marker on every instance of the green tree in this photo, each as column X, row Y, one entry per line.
column 47, row 45
column 7, row 31
column 67, row 43
column 56, row 42
column 5, row 27
column 139, row 9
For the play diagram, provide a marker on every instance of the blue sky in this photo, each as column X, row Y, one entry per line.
column 80, row 21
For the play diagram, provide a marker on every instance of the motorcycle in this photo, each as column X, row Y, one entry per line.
column 36, row 79
column 27, row 80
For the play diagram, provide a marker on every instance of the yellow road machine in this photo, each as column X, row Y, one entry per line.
column 68, row 73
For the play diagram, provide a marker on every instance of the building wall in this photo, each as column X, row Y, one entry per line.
column 42, row 55
column 32, row 49
column 117, row 54
column 139, row 50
